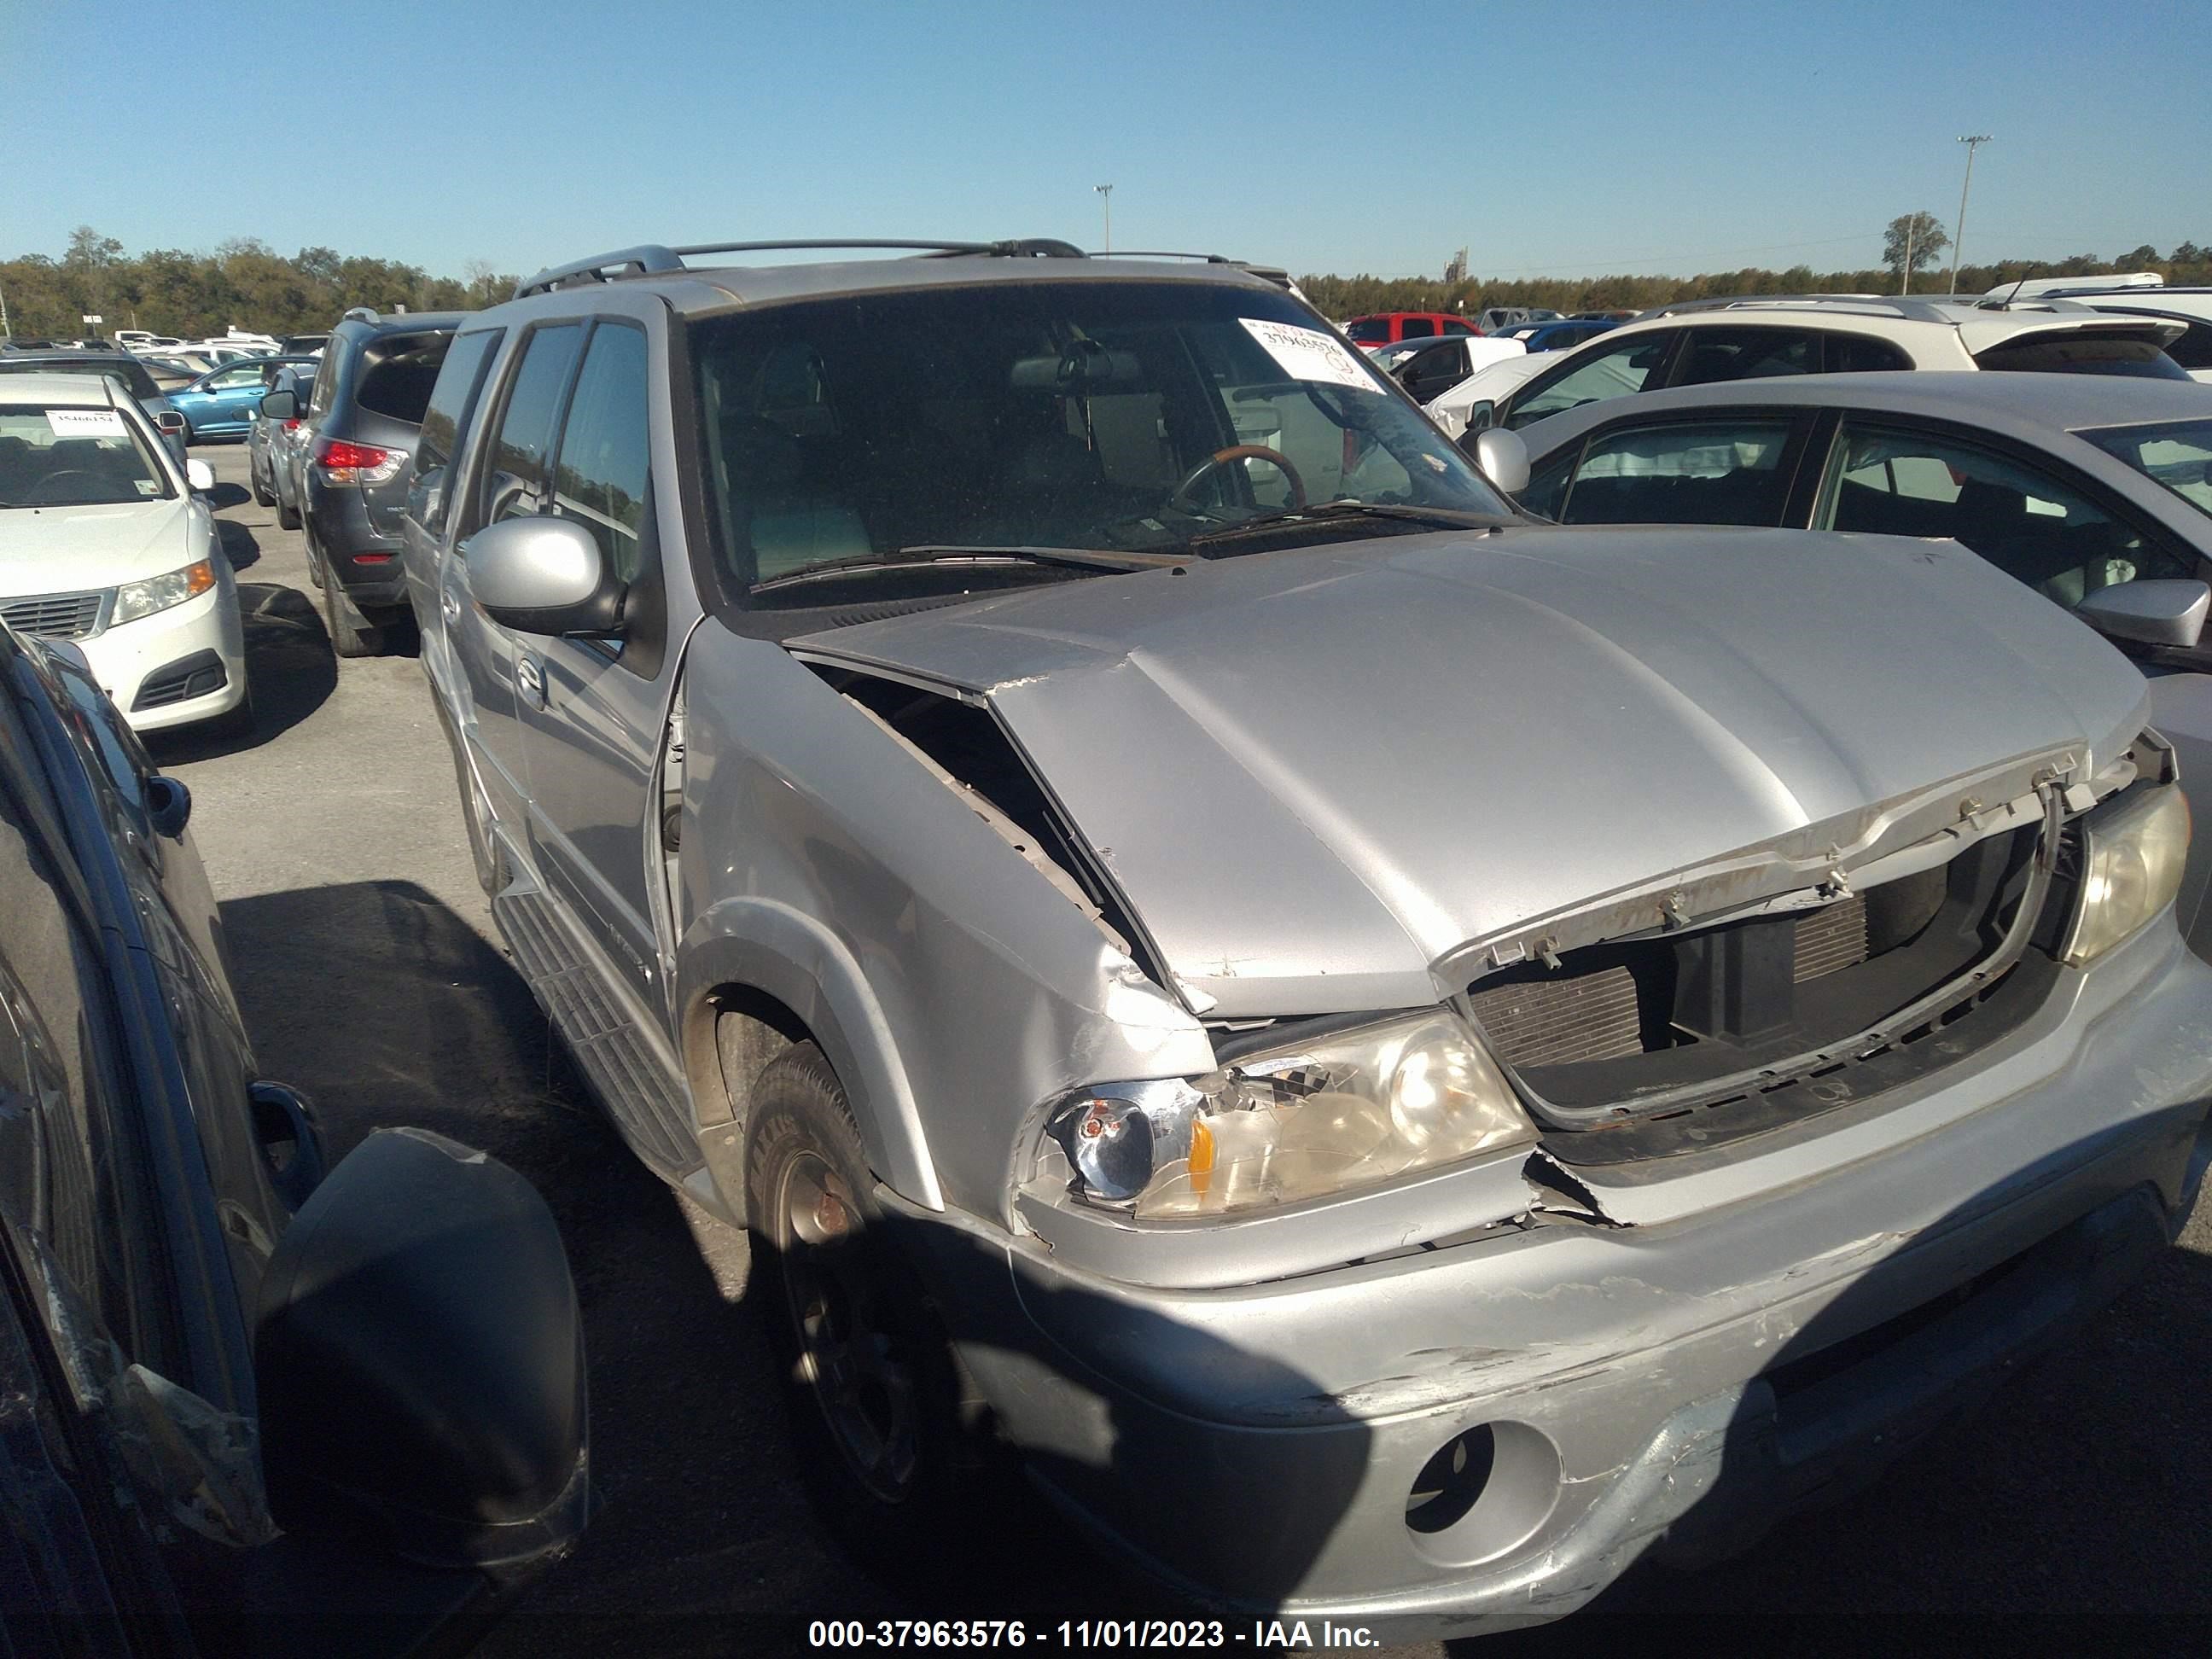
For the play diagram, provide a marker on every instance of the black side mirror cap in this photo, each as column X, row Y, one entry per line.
column 419, row 1361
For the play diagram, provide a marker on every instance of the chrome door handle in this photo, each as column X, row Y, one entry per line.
column 530, row 680
column 449, row 605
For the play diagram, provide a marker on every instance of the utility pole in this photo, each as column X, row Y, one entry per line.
column 1911, row 223
column 1972, row 141
column 5, row 331
column 1106, row 205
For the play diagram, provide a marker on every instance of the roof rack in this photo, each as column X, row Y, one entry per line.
column 653, row 259
column 1913, row 309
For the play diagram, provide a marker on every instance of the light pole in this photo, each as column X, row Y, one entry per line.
column 1972, row 141
column 1106, row 206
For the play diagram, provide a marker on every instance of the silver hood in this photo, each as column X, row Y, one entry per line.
column 1318, row 775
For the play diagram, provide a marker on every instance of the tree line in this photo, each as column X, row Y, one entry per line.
column 244, row 283
column 2187, row 263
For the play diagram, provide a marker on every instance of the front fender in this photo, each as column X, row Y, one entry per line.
column 779, row 950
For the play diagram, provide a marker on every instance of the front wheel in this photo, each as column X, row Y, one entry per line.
column 878, row 1402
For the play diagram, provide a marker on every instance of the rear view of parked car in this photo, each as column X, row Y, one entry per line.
column 271, row 444
column 104, row 541
column 363, row 416
column 246, row 1400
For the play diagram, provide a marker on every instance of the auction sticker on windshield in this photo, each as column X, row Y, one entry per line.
column 1307, row 353
column 85, row 423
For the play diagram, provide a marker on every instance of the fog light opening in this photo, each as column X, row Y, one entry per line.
column 1485, row 1491
column 1450, row 1483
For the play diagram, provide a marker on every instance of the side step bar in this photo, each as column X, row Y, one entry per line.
column 647, row 1103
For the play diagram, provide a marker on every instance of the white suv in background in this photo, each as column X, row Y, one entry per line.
column 2144, row 293
column 1699, row 341
column 105, row 541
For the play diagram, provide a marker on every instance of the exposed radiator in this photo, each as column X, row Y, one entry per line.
column 1831, row 939
column 1552, row 1022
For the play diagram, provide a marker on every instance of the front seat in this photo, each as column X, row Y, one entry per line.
column 789, row 526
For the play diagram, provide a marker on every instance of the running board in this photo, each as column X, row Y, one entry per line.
column 646, row 1101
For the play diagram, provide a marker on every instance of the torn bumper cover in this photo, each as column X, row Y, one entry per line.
column 1488, row 1432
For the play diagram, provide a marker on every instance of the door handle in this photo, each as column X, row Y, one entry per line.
column 449, row 605
column 530, row 680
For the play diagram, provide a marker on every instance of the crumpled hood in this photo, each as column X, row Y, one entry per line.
column 1314, row 773
column 66, row 549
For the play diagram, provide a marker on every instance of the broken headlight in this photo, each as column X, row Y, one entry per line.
column 2131, row 866
column 1345, row 1110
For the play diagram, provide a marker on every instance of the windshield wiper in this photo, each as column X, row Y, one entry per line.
column 1448, row 517
column 1073, row 558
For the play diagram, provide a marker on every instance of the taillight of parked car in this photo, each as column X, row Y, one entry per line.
column 344, row 462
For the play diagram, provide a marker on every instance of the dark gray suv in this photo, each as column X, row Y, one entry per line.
column 365, row 414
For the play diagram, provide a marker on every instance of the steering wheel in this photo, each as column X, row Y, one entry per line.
column 42, row 487
column 1181, row 498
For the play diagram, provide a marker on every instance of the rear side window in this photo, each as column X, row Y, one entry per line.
column 1746, row 354
column 1415, row 328
column 2085, row 352
column 605, row 465
column 1724, row 471
column 1855, row 353
column 326, row 379
column 2020, row 518
column 453, row 400
column 525, row 426
column 398, row 371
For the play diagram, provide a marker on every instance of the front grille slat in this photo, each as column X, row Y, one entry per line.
column 54, row 616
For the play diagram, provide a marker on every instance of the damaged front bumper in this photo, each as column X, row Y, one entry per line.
column 1553, row 1401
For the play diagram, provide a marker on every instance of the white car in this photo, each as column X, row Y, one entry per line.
column 104, row 541
column 1701, row 341
column 2134, row 296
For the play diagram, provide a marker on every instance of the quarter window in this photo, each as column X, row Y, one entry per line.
column 605, row 471
column 1713, row 472
column 1855, row 353
column 2015, row 516
column 526, row 428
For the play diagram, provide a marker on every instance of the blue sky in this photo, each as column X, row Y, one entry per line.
column 1570, row 139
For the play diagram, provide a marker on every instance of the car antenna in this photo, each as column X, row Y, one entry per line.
column 2008, row 300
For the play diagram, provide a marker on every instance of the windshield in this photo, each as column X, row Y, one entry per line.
column 129, row 370
column 1116, row 417
column 2177, row 454
column 73, row 457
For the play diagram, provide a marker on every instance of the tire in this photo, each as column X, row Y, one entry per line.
column 346, row 639
column 263, row 494
column 288, row 516
column 881, row 1410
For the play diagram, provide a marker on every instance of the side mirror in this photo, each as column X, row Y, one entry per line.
column 2148, row 612
column 169, row 424
column 419, row 1362
column 200, row 476
column 543, row 576
column 1503, row 457
column 280, row 406
column 1479, row 416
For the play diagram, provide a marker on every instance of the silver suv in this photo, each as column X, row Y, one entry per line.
column 1394, row 1053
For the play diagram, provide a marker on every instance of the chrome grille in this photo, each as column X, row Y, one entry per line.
column 1550, row 1022
column 56, row 616
column 1830, row 938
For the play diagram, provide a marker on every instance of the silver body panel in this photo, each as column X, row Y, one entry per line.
column 1318, row 779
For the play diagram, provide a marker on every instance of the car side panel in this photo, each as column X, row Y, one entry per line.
column 963, row 988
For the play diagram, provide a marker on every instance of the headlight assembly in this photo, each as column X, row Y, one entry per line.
column 2131, row 867
column 1345, row 1110
column 137, row 600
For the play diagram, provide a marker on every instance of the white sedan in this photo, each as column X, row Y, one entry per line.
column 104, row 541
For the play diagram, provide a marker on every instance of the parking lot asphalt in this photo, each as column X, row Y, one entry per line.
column 371, row 977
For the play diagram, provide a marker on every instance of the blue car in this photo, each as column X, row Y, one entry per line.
column 222, row 401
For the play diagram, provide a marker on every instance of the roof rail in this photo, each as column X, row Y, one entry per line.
column 1913, row 309
column 653, row 259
